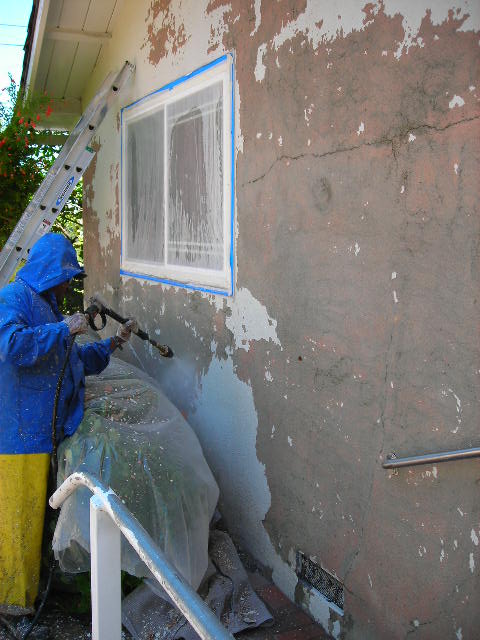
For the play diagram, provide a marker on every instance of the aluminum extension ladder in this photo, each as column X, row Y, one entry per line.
column 61, row 179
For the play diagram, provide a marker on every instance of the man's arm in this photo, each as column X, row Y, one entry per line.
column 96, row 355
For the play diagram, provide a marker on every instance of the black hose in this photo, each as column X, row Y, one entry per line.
column 53, row 482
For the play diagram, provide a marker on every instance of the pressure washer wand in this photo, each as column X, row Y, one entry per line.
column 164, row 349
column 97, row 306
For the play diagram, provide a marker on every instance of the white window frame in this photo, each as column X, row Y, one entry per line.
column 220, row 282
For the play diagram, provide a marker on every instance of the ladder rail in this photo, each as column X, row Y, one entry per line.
column 63, row 176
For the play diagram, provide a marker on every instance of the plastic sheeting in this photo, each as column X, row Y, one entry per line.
column 137, row 442
column 149, row 613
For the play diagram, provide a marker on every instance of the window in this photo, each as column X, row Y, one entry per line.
column 177, row 184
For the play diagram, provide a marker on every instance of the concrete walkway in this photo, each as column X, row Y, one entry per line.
column 291, row 623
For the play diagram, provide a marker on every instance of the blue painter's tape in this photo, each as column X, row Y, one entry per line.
column 173, row 283
column 171, row 85
column 232, row 189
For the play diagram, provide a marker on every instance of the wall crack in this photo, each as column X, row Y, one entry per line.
column 394, row 142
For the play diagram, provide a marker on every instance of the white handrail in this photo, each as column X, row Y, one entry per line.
column 109, row 517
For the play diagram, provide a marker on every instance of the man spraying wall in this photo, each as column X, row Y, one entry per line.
column 34, row 341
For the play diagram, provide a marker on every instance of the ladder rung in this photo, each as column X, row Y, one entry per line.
column 55, row 189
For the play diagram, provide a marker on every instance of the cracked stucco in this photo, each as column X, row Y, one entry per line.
column 357, row 246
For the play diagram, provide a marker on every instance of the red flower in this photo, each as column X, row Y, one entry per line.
column 48, row 111
column 21, row 121
column 38, row 117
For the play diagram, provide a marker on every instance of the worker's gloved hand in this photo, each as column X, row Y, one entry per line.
column 124, row 331
column 76, row 323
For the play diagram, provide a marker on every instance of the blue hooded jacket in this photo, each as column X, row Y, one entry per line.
column 33, row 345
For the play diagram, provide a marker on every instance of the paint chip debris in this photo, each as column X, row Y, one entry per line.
column 402, row 190
column 455, row 168
column 411, row 137
column 471, row 563
column 474, row 537
column 280, row 140
column 394, row 275
column 357, row 248
column 456, row 101
column 361, row 128
column 395, row 298
column 290, row 441
column 259, row 135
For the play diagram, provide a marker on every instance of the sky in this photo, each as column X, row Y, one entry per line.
column 12, row 12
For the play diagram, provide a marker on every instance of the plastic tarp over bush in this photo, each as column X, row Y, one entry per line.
column 134, row 440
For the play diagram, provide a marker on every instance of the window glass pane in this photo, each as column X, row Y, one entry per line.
column 195, row 179
column 145, row 188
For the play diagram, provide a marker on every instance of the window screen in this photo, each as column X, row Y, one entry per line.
column 175, row 183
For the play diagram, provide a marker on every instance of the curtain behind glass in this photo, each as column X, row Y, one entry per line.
column 195, row 184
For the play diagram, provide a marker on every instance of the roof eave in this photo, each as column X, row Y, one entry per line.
column 33, row 43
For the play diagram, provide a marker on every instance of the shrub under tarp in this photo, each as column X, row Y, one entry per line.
column 135, row 441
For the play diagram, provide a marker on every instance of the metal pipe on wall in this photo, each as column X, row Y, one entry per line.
column 393, row 462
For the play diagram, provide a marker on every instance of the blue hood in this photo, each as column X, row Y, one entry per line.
column 51, row 261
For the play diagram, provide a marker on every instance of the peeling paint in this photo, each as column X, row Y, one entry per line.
column 260, row 67
column 245, row 375
column 250, row 321
column 258, row 16
column 456, row 101
column 320, row 23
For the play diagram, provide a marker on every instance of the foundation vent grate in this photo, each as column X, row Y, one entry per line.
column 314, row 575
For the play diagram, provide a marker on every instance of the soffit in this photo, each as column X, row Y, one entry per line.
column 67, row 42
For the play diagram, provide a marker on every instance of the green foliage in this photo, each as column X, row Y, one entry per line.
column 79, row 601
column 24, row 162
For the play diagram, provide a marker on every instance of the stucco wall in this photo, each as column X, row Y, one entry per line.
column 354, row 328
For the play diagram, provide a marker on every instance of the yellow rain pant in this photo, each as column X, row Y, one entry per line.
column 23, row 494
